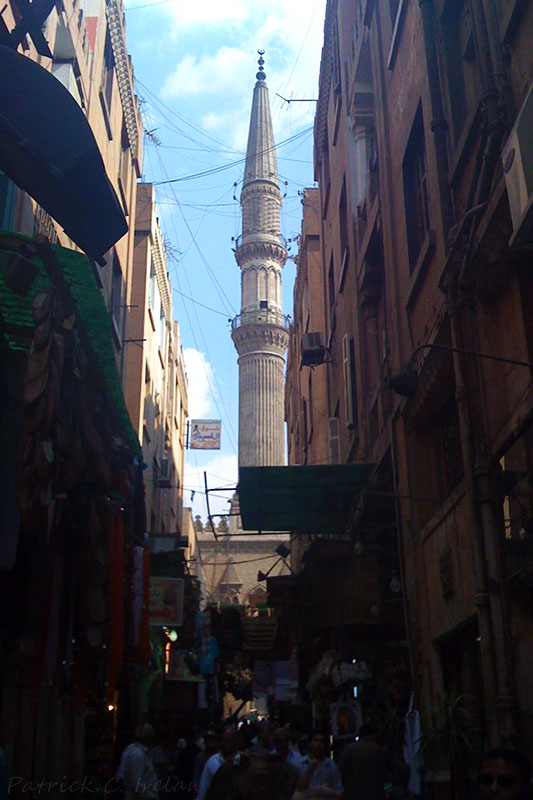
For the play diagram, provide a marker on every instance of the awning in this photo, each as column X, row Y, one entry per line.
column 48, row 149
column 17, row 324
column 305, row 499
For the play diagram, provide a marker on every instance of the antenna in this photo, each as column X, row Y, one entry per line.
column 298, row 99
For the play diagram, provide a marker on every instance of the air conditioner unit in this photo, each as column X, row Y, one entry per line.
column 313, row 349
column 164, row 474
column 518, row 169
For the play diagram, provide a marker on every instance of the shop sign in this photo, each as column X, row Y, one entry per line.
column 166, row 601
column 205, row 434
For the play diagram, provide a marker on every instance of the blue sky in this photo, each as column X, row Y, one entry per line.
column 195, row 65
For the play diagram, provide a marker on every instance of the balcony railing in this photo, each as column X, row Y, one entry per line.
column 271, row 235
column 261, row 315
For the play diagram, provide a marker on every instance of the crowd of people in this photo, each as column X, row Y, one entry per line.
column 263, row 762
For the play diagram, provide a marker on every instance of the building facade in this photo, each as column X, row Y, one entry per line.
column 111, row 398
column 156, row 383
column 427, row 336
column 87, row 41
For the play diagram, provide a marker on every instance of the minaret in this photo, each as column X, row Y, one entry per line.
column 260, row 332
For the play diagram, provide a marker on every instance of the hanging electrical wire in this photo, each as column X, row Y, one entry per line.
column 232, row 164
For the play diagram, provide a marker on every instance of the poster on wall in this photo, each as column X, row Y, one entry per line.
column 204, row 434
column 166, row 601
column 345, row 719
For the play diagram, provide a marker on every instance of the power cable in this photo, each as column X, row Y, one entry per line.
column 232, row 164
column 208, row 308
column 214, row 396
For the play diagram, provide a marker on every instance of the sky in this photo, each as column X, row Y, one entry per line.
column 195, row 63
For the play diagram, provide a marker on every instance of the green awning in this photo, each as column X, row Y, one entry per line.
column 17, row 319
column 307, row 499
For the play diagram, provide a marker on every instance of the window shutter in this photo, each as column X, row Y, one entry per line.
column 348, row 383
column 334, row 445
column 7, row 202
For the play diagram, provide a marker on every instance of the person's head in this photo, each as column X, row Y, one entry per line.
column 504, row 773
column 317, row 743
column 229, row 743
column 145, row 734
column 281, row 742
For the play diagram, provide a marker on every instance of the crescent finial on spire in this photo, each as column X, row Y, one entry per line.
column 261, row 74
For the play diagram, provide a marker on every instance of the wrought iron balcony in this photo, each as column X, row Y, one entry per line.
column 265, row 315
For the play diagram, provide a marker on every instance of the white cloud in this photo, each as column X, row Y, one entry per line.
column 222, row 79
column 199, row 383
column 205, row 75
column 209, row 12
column 222, row 471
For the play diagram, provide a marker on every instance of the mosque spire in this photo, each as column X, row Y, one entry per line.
column 260, row 152
column 260, row 331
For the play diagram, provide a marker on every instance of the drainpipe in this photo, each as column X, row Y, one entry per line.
column 478, row 473
column 401, row 560
column 482, row 601
column 439, row 126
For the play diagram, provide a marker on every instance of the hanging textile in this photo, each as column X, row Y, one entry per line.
column 116, row 600
column 412, row 748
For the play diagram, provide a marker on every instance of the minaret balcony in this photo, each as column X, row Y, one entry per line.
column 261, row 316
column 272, row 243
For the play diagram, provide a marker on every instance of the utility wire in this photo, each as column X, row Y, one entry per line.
column 231, row 432
column 231, row 164
column 158, row 102
column 186, row 296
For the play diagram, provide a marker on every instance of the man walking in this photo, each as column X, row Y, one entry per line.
column 363, row 766
column 229, row 747
column 136, row 768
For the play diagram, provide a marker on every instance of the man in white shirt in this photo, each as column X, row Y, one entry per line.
column 229, row 747
column 136, row 768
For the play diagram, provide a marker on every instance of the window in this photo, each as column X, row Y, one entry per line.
column 343, row 233
column 116, row 296
column 107, row 77
column 460, row 60
column 331, row 288
column 416, row 190
column 325, row 184
column 334, row 445
column 437, row 452
column 8, row 194
column 451, row 445
column 336, row 64
column 79, row 83
column 124, row 167
column 153, row 292
column 304, row 423
column 350, row 388
column 310, row 403
column 162, row 331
